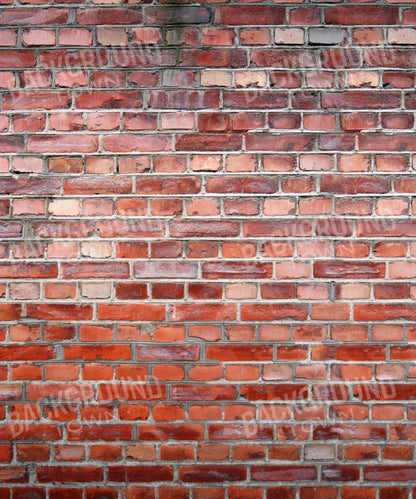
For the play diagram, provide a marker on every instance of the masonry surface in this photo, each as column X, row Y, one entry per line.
column 207, row 253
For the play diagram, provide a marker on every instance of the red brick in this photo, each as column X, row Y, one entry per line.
column 200, row 473
column 84, row 474
column 109, row 16
column 389, row 473
column 362, row 15
column 237, row 15
column 282, row 473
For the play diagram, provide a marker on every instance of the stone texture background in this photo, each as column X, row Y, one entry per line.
column 207, row 250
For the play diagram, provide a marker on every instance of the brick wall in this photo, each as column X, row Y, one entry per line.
column 207, row 258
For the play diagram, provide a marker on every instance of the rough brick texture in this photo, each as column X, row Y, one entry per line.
column 207, row 255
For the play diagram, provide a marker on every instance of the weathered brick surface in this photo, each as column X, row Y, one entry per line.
column 207, row 245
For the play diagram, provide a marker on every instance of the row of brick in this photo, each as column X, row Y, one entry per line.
column 234, row 58
column 132, row 390
column 350, row 352
column 247, row 206
column 216, row 142
column 308, row 78
column 201, row 228
column 189, row 185
column 17, row 291
column 201, row 312
column 178, row 164
column 207, row 473
column 168, row 420
column 213, row 270
column 207, row 492
column 230, row 15
column 68, row 371
column 247, row 333
column 83, row 37
column 209, row 452
column 214, row 122
column 204, row 250
column 280, row 370
column 193, row 99
column 204, row 163
column 195, row 432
